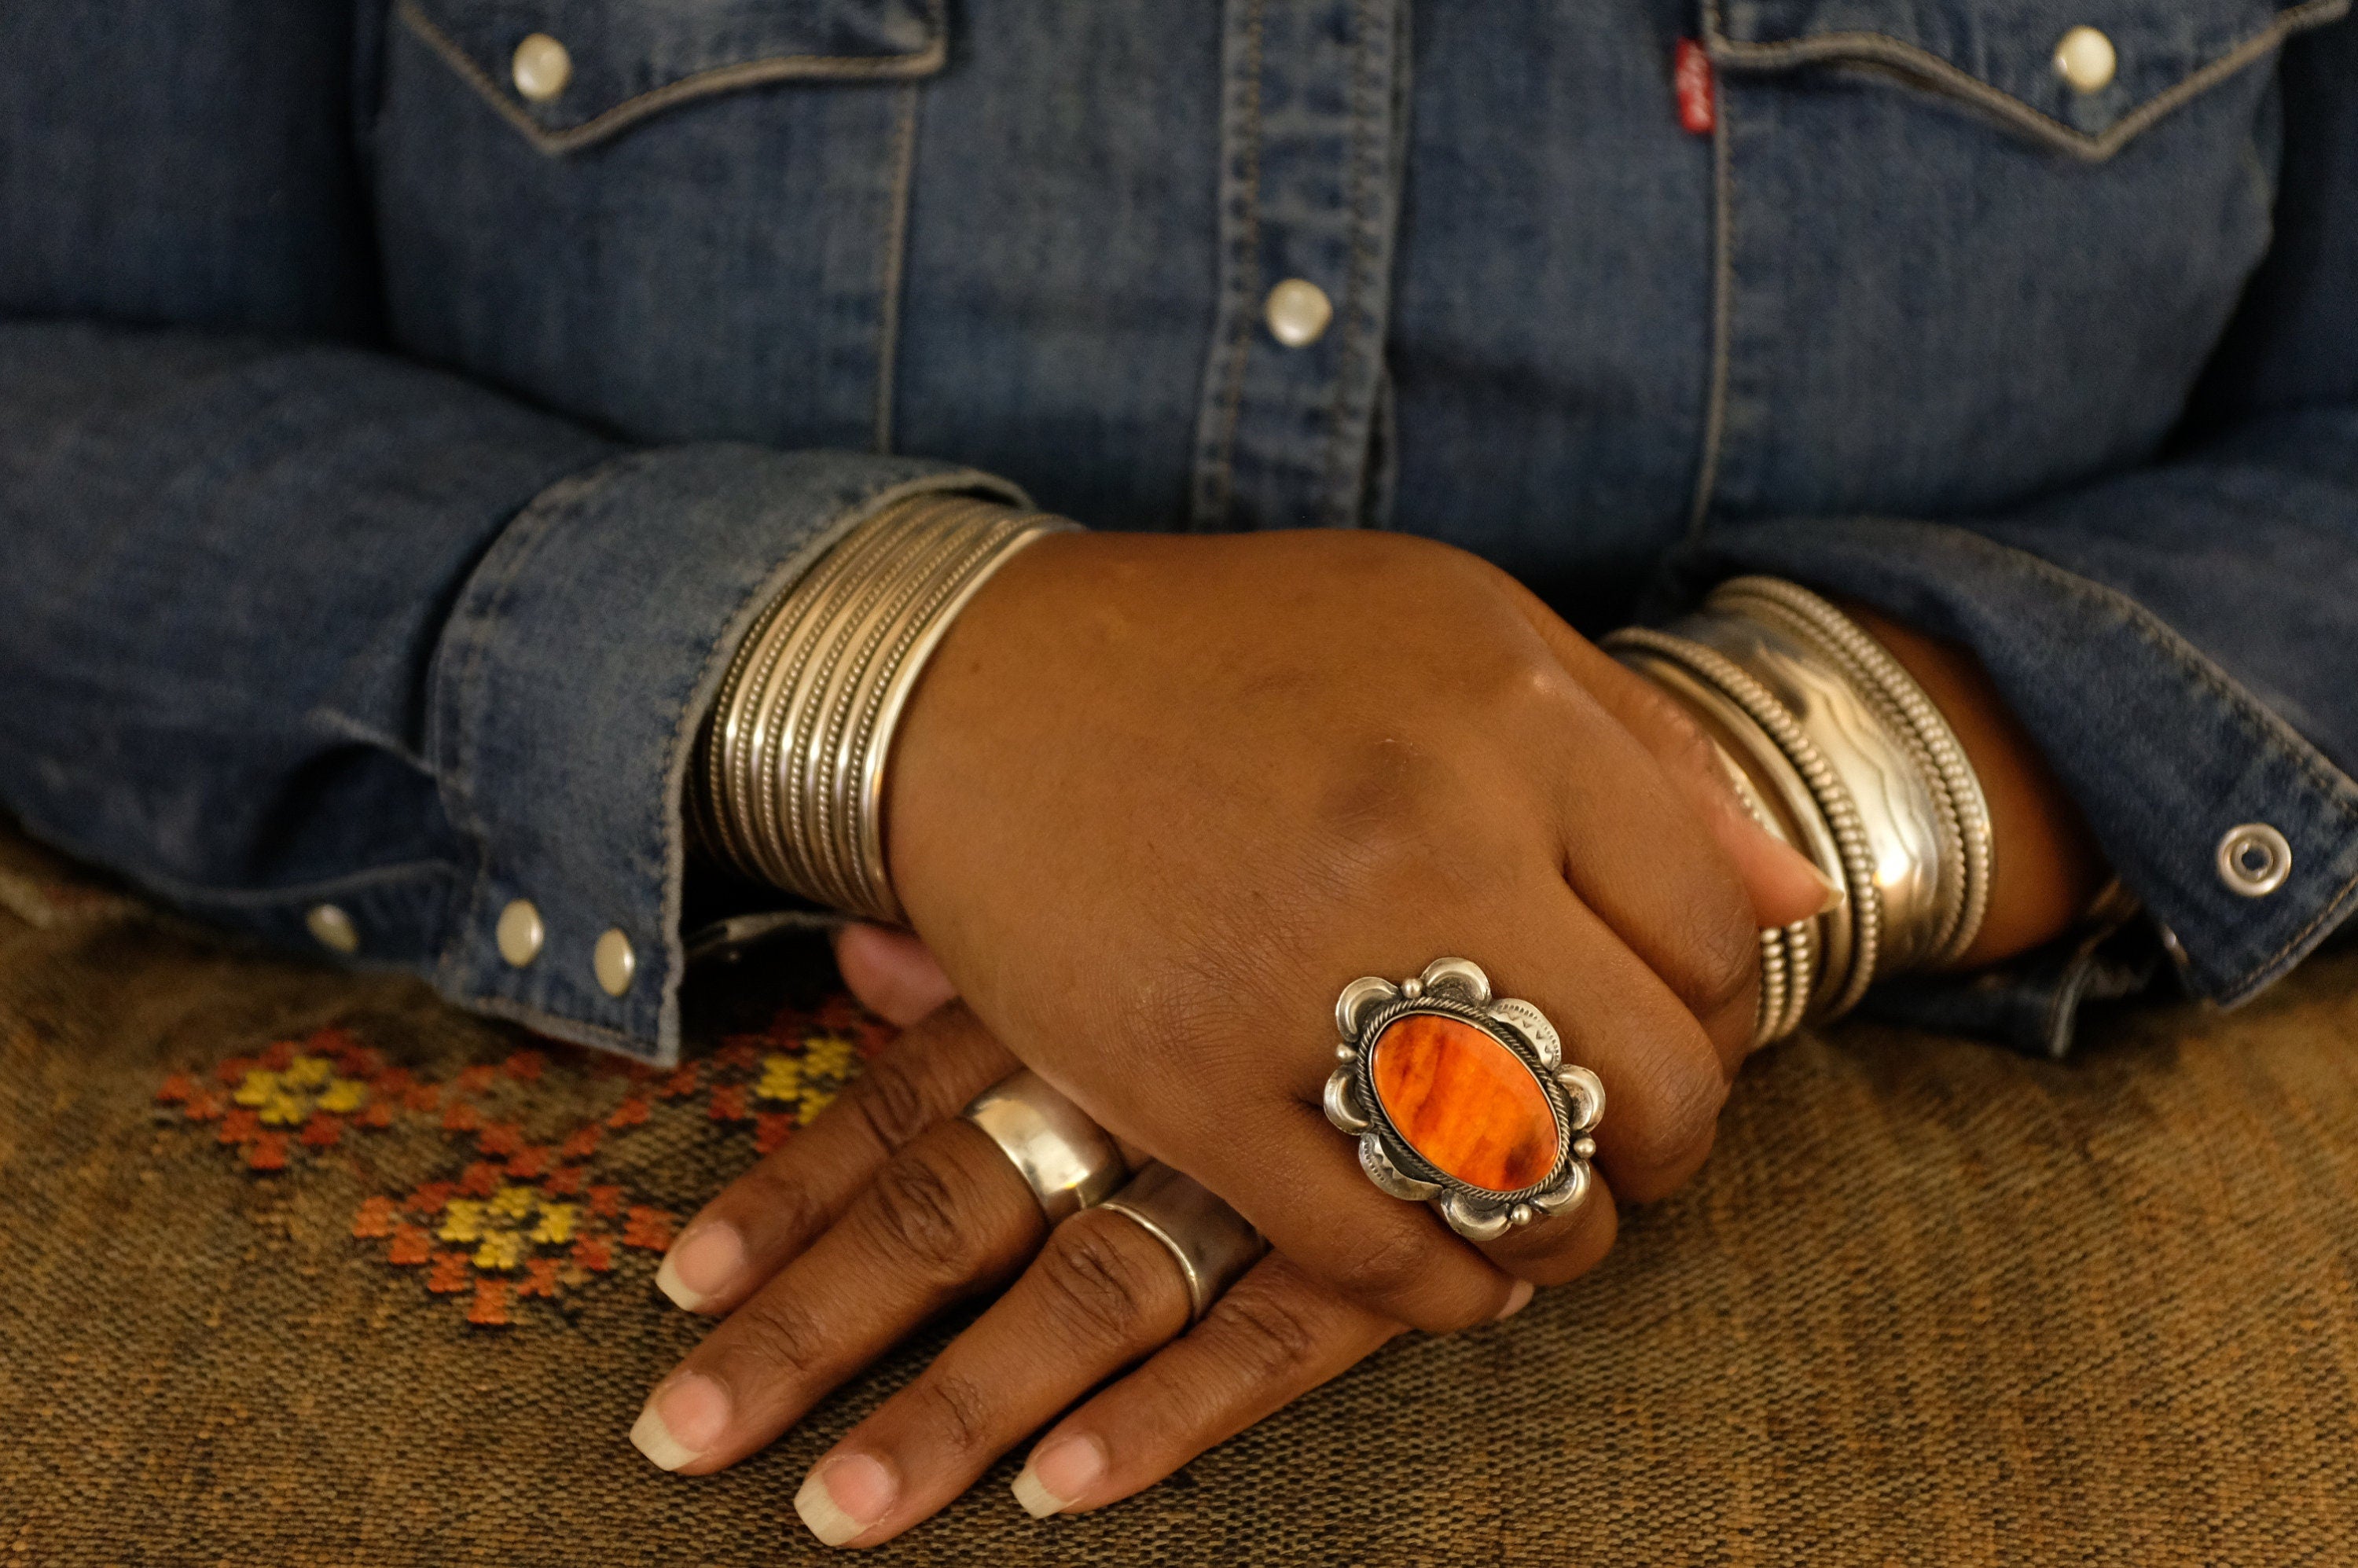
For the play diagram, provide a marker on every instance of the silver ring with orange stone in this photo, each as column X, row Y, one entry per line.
column 1463, row 1100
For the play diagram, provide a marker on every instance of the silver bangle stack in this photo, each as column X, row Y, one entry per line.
column 789, row 783
column 1835, row 749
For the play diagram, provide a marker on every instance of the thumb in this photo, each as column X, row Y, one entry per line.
column 894, row 974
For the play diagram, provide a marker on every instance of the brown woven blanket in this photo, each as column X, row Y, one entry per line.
column 304, row 1268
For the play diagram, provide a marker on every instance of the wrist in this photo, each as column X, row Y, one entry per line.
column 788, row 784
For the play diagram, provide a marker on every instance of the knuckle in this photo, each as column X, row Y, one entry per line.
column 918, row 1213
column 894, row 1099
column 777, row 1338
column 1661, row 1147
column 958, row 1411
column 1727, row 963
column 788, row 1212
column 1267, row 1338
column 1385, row 1273
column 1100, row 1289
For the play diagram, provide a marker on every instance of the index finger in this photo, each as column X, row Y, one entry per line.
column 766, row 1217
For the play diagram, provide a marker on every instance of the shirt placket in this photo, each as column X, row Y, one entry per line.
column 1313, row 94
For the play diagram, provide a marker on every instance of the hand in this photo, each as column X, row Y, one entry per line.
column 1157, row 800
column 887, row 1208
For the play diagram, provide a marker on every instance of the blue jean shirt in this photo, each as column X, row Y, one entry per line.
column 389, row 457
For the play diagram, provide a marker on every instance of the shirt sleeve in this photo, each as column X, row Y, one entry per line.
column 307, row 639
column 2181, row 640
column 351, row 654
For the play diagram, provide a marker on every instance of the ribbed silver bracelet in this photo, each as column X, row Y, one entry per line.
column 1837, row 750
column 789, row 780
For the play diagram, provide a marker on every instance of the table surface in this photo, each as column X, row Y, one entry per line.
column 308, row 1267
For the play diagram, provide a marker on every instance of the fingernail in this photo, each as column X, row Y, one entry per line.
column 843, row 1496
column 682, row 1421
column 701, row 1265
column 1060, row 1474
column 1516, row 1300
column 1835, row 895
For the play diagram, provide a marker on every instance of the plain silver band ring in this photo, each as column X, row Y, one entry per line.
column 1211, row 1242
column 1064, row 1157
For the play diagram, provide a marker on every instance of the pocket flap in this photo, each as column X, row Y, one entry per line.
column 2008, row 55
column 617, row 62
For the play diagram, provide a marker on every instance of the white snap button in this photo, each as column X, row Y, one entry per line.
column 521, row 933
column 2254, row 860
column 615, row 963
column 1297, row 311
column 541, row 67
column 333, row 929
column 2084, row 58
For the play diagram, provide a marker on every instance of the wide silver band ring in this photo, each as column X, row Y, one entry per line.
column 1066, row 1159
column 1463, row 1100
column 1211, row 1242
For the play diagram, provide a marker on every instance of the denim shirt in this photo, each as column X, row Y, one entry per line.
column 389, row 457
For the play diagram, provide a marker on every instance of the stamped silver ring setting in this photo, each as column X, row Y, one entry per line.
column 1463, row 1100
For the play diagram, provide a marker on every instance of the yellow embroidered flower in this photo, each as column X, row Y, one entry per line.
column 830, row 1055
column 782, row 1079
column 507, row 1225
column 556, row 1227
column 463, row 1220
column 287, row 1096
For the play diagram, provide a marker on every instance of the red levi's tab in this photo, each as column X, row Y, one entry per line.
column 1691, row 79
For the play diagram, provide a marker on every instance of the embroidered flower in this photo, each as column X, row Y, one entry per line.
column 294, row 1093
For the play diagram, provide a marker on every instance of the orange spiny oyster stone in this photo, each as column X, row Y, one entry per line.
column 1465, row 1102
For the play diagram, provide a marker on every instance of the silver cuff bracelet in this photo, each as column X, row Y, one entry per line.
column 1835, row 750
column 789, row 782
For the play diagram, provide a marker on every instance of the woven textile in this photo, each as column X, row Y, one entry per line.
column 304, row 1269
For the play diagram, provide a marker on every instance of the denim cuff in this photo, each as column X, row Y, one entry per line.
column 2164, row 753
column 567, row 686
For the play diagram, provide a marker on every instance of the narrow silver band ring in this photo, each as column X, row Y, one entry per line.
column 1211, row 1242
column 1064, row 1157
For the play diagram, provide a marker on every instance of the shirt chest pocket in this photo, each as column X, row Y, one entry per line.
column 682, row 218
column 1972, row 249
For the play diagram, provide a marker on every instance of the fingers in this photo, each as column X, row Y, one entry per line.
column 1101, row 1295
column 894, row 974
column 1274, row 1337
column 1306, row 1190
column 769, row 1215
column 947, row 1216
column 1783, row 885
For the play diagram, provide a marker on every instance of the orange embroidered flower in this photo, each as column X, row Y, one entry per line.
column 295, row 1093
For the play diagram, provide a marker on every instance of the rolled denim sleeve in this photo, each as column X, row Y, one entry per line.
column 291, row 627
column 2180, row 640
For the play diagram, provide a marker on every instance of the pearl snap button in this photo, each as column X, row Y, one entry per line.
column 2254, row 860
column 615, row 963
column 541, row 68
column 521, row 933
column 333, row 929
column 1297, row 311
column 2084, row 58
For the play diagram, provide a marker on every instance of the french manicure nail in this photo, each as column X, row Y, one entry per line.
column 701, row 1265
column 682, row 1420
column 1059, row 1474
column 1516, row 1300
column 1835, row 897
column 844, row 1496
